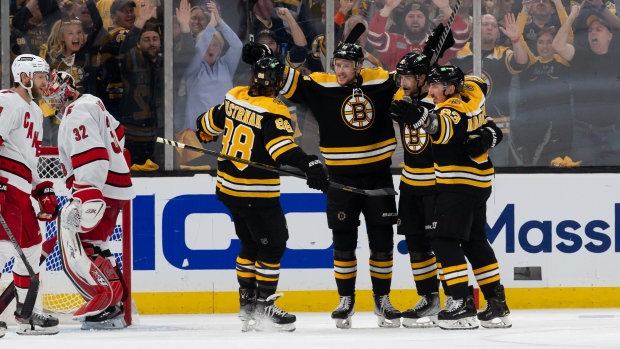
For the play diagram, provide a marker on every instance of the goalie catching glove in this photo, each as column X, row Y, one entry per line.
column 201, row 131
column 413, row 115
column 253, row 51
column 48, row 204
column 84, row 211
column 316, row 176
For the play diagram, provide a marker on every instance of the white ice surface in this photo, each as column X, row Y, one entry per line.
column 573, row 328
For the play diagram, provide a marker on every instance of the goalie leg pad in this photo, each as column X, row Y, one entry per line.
column 88, row 279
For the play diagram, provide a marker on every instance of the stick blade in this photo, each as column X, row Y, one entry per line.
column 355, row 33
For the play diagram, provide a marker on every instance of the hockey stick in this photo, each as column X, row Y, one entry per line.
column 367, row 192
column 9, row 293
column 33, row 289
column 355, row 33
column 444, row 35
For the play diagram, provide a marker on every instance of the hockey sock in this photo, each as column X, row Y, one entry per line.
column 423, row 264
column 381, row 271
column 453, row 266
column 246, row 273
column 484, row 264
column 267, row 276
column 345, row 272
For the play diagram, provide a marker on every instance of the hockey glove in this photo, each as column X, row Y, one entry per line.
column 48, row 204
column 479, row 143
column 3, row 183
column 201, row 133
column 408, row 113
column 433, row 41
column 315, row 173
column 253, row 51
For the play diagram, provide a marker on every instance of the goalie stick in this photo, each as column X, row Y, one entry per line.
column 33, row 289
column 367, row 192
column 444, row 35
column 9, row 293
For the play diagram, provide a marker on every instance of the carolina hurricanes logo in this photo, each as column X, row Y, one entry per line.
column 358, row 112
column 415, row 141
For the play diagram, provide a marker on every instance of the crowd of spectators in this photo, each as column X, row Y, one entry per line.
column 551, row 64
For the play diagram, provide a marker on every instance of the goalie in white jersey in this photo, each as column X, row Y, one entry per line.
column 21, row 132
column 91, row 149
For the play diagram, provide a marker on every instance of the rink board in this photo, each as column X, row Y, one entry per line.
column 557, row 239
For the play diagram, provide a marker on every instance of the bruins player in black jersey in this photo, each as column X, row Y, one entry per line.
column 417, row 186
column 256, row 127
column 357, row 140
column 463, row 181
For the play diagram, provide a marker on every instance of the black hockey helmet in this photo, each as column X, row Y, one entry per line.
column 269, row 71
column 350, row 52
column 413, row 63
column 447, row 74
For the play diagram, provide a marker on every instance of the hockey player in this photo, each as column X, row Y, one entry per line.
column 90, row 143
column 256, row 127
column 357, row 141
column 458, row 227
column 21, row 133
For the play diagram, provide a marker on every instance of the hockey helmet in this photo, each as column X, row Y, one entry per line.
column 447, row 74
column 28, row 64
column 269, row 71
column 350, row 52
column 413, row 63
column 60, row 91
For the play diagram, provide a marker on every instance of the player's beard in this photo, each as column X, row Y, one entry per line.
column 36, row 93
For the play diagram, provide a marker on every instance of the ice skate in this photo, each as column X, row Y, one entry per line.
column 38, row 324
column 2, row 328
column 459, row 315
column 269, row 317
column 387, row 315
column 113, row 318
column 424, row 314
column 247, row 304
column 344, row 311
column 496, row 313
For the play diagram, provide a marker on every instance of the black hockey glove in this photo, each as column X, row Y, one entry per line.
column 410, row 114
column 479, row 143
column 253, row 51
column 315, row 173
column 433, row 41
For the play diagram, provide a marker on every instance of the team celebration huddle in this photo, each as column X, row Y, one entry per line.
column 125, row 90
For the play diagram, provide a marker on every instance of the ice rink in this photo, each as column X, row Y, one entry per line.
column 573, row 328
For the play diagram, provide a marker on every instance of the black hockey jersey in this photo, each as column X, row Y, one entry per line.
column 456, row 171
column 256, row 129
column 355, row 129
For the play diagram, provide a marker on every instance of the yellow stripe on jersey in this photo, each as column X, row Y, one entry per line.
column 239, row 96
column 291, row 78
column 418, row 177
column 280, row 145
column 464, row 175
column 246, row 194
column 209, row 124
column 344, row 156
column 249, row 181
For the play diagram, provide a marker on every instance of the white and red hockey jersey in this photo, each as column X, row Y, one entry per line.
column 90, row 145
column 21, row 129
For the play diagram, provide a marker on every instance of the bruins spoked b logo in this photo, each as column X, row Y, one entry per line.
column 415, row 141
column 358, row 112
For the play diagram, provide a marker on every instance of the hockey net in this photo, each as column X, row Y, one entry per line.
column 57, row 294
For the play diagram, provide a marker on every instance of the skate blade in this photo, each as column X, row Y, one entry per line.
column 268, row 326
column 344, row 323
column 423, row 322
column 29, row 330
column 467, row 323
column 117, row 323
column 499, row 322
column 387, row 323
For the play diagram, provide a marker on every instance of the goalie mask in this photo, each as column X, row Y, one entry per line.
column 447, row 74
column 60, row 92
